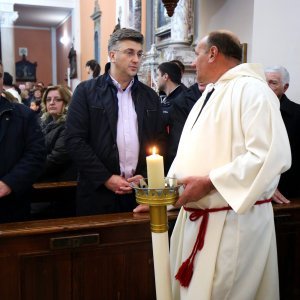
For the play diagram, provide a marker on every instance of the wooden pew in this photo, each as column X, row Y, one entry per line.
column 54, row 185
column 287, row 224
column 96, row 257
column 53, row 200
column 109, row 257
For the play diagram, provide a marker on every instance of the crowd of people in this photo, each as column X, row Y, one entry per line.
column 227, row 138
column 114, row 119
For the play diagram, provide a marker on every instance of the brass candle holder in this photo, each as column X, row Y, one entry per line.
column 157, row 199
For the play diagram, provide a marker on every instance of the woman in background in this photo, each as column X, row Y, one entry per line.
column 93, row 68
column 59, row 166
column 35, row 105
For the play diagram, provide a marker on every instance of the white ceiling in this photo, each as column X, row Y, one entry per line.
column 40, row 16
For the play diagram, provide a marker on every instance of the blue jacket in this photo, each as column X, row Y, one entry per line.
column 22, row 152
column 91, row 134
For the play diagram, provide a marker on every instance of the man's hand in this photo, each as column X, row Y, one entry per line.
column 142, row 208
column 4, row 189
column 195, row 188
column 279, row 198
column 118, row 185
column 135, row 179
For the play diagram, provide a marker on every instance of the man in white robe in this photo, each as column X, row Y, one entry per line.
column 230, row 156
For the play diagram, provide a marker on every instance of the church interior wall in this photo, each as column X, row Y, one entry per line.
column 144, row 24
column 276, row 38
column 62, row 50
column 108, row 17
column 233, row 15
column 268, row 27
column 38, row 43
column 87, row 30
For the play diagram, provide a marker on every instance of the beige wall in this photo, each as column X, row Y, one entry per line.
column 143, row 24
column 86, row 36
column 108, row 9
column 38, row 43
column 108, row 22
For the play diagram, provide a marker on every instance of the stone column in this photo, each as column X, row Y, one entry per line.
column 182, row 22
column 7, row 18
column 129, row 13
column 180, row 44
column 96, row 16
column 122, row 8
column 135, row 14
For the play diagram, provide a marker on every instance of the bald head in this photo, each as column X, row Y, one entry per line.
column 216, row 53
column 227, row 43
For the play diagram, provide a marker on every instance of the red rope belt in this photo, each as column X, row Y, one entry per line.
column 185, row 272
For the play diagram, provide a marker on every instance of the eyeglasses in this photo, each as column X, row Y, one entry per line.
column 131, row 53
column 55, row 99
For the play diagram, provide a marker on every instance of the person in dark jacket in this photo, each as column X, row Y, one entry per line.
column 278, row 79
column 169, row 82
column 112, row 123
column 22, row 152
column 179, row 111
column 59, row 166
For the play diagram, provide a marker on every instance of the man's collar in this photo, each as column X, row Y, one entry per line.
column 118, row 85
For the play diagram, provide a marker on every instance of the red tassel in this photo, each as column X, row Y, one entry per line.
column 185, row 273
column 186, row 270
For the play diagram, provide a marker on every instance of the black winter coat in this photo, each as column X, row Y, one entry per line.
column 22, row 152
column 59, row 166
column 91, row 132
column 289, row 181
column 178, row 114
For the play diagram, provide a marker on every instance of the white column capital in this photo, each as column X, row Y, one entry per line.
column 7, row 18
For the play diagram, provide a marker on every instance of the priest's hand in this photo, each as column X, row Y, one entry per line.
column 118, row 185
column 279, row 198
column 4, row 189
column 195, row 188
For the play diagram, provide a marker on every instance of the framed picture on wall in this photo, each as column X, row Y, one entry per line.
column 25, row 70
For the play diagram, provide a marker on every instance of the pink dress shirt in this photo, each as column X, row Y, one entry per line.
column 127, row 131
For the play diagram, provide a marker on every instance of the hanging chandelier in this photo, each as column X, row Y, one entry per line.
column 170, row 6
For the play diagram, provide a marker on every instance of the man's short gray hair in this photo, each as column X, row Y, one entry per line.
column 124, row 34
column 285, row 76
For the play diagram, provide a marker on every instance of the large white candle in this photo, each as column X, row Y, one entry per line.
column 161, row 258
column 155, row 171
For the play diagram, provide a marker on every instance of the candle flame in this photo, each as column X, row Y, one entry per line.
column 154, row 151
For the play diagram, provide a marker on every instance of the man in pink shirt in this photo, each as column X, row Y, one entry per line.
column 113, row 120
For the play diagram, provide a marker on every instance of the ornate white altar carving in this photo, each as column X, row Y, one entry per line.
column 173, row 40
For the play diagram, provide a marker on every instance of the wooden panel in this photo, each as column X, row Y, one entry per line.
column 287, row 223
column 9, row 277
column 46, row 276
column 118, row 266
column 114, row 272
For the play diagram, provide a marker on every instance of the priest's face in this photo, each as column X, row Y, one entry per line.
column 201, row 62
